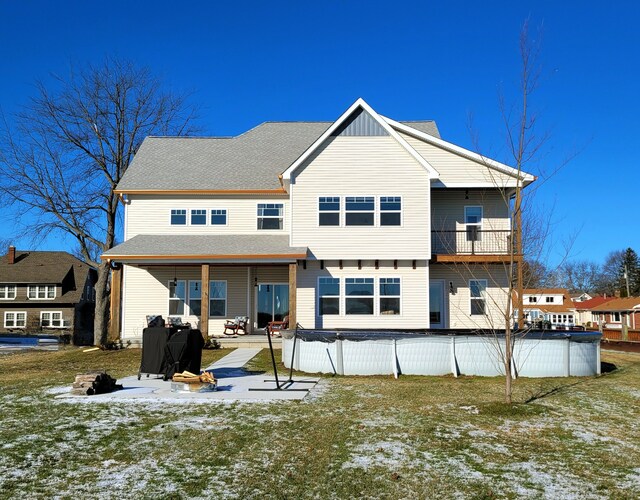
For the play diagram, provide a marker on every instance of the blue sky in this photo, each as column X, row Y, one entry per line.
column 254, row 61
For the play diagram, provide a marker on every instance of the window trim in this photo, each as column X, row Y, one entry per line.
column 373, row 296
column 339, row 212
column 15, row 319
column 373, row 211
column 472, row 298
column 258, row 217
column 380, row 296
column 4, row 289
column 51, row 313
column 380, row 211
column 186, row 217
column 226, row 217
column 46, row 287
column 320, row 297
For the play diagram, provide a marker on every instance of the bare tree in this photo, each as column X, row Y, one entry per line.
column 580, row 275
column 609, row 280
column 64, row 153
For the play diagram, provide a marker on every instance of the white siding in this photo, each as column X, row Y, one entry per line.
column 360, row 166
column 146, row 292
column 454, row 168
column 148, row 214
column 414, row 290
column 459, row 303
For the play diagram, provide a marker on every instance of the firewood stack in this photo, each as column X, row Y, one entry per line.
column 90, row 383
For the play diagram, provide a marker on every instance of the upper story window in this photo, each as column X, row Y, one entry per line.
column 358, row 296
column 329, row 211
column 13, row 319
column 533, row 300
column 218, row 217
column 7, row 292
column 45, row 292
column 178, row 217
column 549, row 300
column 360, row 211
column 329, row 295
column 478, row 289
column 270, row 215
column 198, row 217
column 473, row 222
column 390, row 211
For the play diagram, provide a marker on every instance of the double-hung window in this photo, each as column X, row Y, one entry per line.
column 478, row 290
column 473, row 222
column 51, row 319
column 198, row 217
column 177, row 297
column 47, row 292
column 329, row 293
column 389, row 295
column 270, row 215
column 549, row 300
column 360, row 210
column 533, row 300
column 219, row 217
column 390, row 211
column 178, row 217
column 615, row 317
column 7, row 292
column 329, row 211
column 358, row 296
column 195, row 295
column 217, row 298
column 15, row 319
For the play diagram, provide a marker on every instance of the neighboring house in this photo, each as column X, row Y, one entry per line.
column 47, row 292
column 619, row 313
column 584, row 311
column 581, row 296
column 552, row 306
column 365, row 222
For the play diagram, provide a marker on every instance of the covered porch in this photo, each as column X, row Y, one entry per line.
column 204, row 280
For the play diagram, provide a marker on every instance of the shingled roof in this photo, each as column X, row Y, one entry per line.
column 250, row 161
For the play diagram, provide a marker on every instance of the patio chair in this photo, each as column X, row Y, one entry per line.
column 236, row 326
column 274, row 327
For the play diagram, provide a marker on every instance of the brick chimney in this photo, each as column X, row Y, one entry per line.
column 12, row 254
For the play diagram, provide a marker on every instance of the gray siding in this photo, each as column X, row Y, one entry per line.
column 360, row 124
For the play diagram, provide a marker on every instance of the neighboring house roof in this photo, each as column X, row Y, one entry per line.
column 616, row 305
column 546, row 291
column 205, row 246
column 591, row 303
column 250, row 161
column 43, row 268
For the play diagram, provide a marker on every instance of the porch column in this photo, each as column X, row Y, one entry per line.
column 204, row 302
column 115, row 306
column 293, row 293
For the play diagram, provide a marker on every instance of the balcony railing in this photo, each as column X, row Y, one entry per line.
column 471, row 241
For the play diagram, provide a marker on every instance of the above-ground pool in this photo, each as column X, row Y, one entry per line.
column 460, row 352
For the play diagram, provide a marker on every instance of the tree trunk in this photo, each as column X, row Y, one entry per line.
column 102, row 305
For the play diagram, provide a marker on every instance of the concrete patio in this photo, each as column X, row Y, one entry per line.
column 234, row 384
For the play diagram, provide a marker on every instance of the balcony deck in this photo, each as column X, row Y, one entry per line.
column 472, row 245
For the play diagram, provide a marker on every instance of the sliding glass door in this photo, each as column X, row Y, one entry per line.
column 272, row 302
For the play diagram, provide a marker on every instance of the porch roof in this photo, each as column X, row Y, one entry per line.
column 205, row 248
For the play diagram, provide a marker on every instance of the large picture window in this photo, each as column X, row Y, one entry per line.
column 360, row 210
column 15, row 319
column 389, row 295
column 7, row 292
column 329, row 211
column 478, row 292
column 329, row 293
column 51, row 319
column 45, row 292
column 270, row 215
column 217, row 298
column 178, row 217
column 390, row 211
column 177, row 297
column 358, row 296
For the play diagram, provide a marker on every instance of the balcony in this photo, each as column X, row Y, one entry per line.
column 471, row 245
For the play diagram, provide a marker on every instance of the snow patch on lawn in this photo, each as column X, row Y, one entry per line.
column 381, row 453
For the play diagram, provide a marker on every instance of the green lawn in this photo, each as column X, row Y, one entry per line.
column 375, row 437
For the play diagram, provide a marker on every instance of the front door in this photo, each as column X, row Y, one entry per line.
column 272, row 303
column 436, row 304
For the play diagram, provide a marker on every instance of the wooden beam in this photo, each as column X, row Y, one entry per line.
column 474, row 258
column 340, row 264
column 293, row 294
column 204, row 301
column 377, row 265
column 115, row 309
column 414, row 264
column 359, row 265
column 395, row 264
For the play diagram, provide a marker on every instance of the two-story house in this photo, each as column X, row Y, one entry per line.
column 47, row 292
column 550, row 305
column 364, row 222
